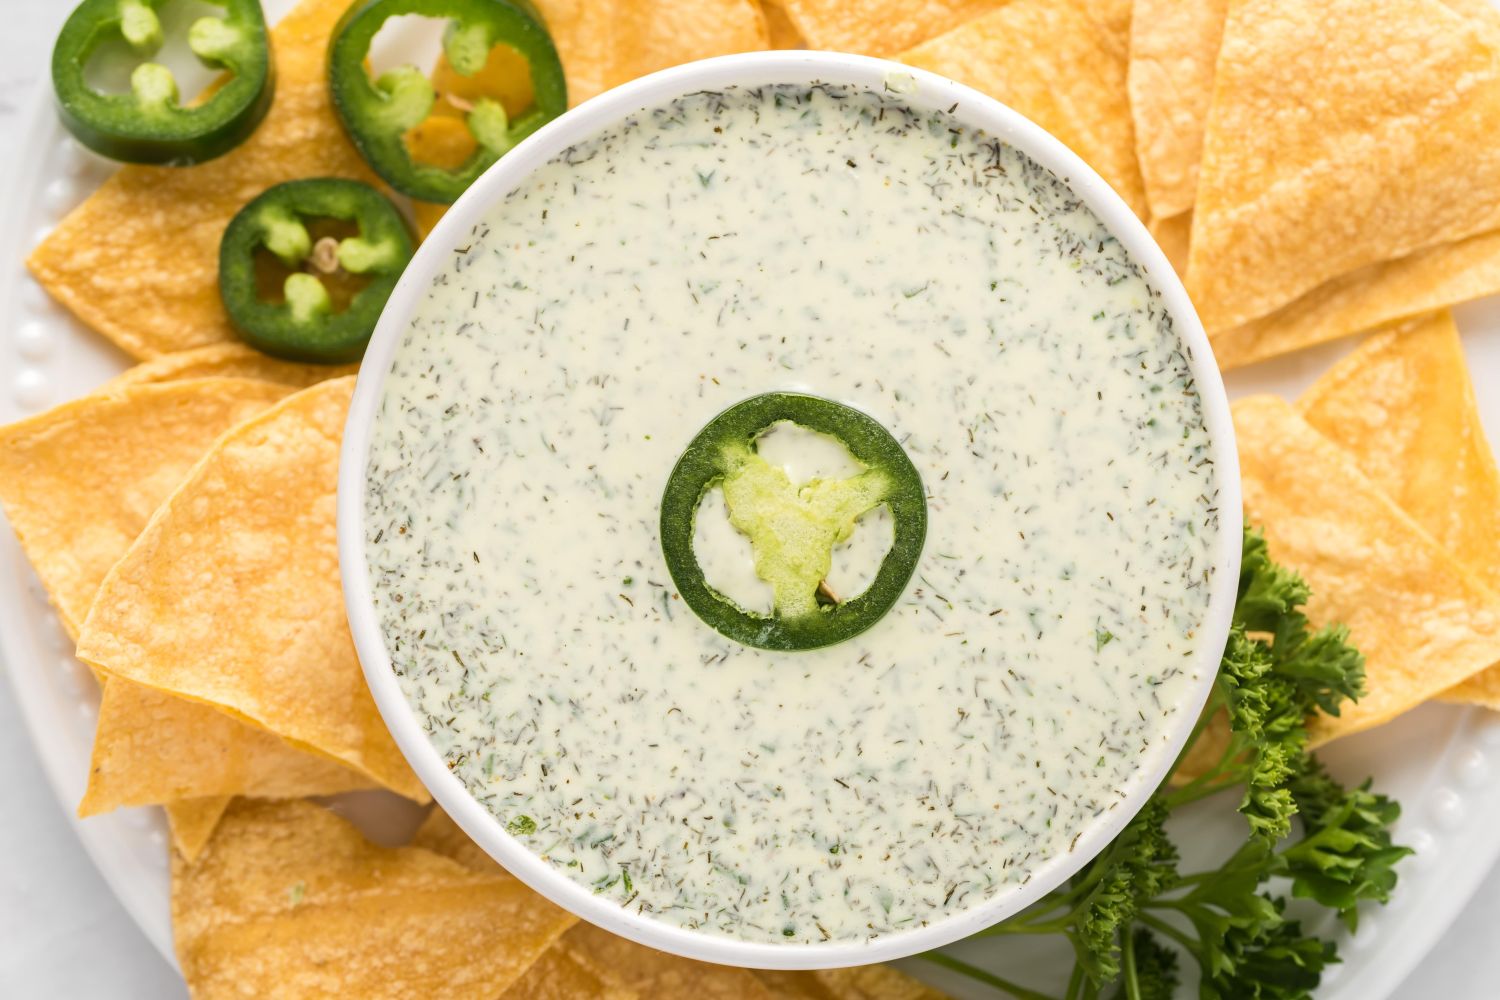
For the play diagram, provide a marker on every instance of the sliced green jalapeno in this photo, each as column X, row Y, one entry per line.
column 792, row 529
column 306, row 325
column 150, row 124
column 377, row 114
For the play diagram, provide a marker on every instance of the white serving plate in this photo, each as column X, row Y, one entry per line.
column 1441, row 762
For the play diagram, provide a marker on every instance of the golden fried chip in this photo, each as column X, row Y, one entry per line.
column 442, row 141
column 1388, row 148
column 563, row 972
column 867, row 982
column 153, row 747
column 249, row 539
column 620, row 967
column 439, row 834
column 630, row 966
column 289, row 900
column 654, row 973
column 426, row 215
column 505, row 76
column 1403, row 407
column 1172, row 236
column 1052, row 61
column 1422, row 621
column 1173, row 49
column 1373, row 296
column 603, row 45
column 80, row 481
column 781, row 33
column 880, row 27
column 227, row 361
column 193, row 821
column 139, row 260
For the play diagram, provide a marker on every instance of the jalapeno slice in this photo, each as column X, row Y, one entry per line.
column 306, row 325
column 792, row 529
column 151, row 124
column 377, row 114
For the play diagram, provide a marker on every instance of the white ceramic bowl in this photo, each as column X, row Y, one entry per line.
column 921, row 90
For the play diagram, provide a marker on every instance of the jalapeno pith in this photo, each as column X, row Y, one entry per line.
column 150, row 124
column 792, row 530
column 378, row 114
column 306, row 326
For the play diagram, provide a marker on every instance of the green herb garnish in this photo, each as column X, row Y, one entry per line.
column 1130, row 912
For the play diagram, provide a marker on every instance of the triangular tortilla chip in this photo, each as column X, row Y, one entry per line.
column 1403, row 407
column 631, row 966
column 1173, row 49
column 288, row 900
column 139, row 260
column 880, row 27
column 193, row 821
column 781, row 33
column 79, row 483
column 1342, row 133
column 225, row 361
column 1422, row 621
column 152, row 747
column 563, row 971
column 602, row 46
column 81, row 480
column 1053, row 61
column 867, row 982
column 635, row 969
column 231, row 594
column 1172, row 236
column 1371, row 297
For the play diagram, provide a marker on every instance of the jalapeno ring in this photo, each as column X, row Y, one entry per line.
column 305, row 326
column 150, row 124
column 377, row 114
column 792, row 529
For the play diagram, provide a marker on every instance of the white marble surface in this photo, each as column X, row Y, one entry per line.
column 62, row 934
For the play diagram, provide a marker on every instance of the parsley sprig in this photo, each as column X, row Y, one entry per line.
column 1130, row 913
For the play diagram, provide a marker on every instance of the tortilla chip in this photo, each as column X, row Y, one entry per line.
column 1403, row 407
column 563, row 972
column 1051, row 61
column 193, row 822
column 80, row 481
column 139, row 260
column 602, row 46
column 868, row 982
column 1172, row 236
column 879, row 27
column 290, row 900
column 625, row 968
column 225, row 361
column 1373, row 296
column 505, row 76
column 152, row 747
column 781, row 33
column 1422, row 621
column 1173, row 49
column 249, row 539
column 631, row 967
column 1390, row 148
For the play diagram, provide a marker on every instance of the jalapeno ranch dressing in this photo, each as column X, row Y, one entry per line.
column 832, row 242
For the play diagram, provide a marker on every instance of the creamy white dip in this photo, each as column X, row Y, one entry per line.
column 832, row 241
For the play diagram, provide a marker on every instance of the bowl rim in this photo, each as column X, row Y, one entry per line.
column 923, row 90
